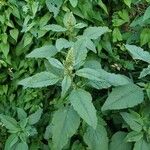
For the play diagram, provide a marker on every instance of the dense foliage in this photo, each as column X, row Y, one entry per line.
column 74, row 74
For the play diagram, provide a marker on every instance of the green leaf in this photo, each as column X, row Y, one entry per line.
column 4, row 48
column 134, row 136
column 145, row 36
column 145, row 72
column 35, row 117
column 91, row 74
column 11, row 141
column 124, row 96
column 22, row 146
column 138, row 53
column 103, row 76
column 21, row 113
column 146, row 14
column 44, row 19
column 69, row 20
column 103, row 6
column 54, row 6
column 128, row 2
column 14, row 34
column 73, row 2
column 10, row 123
column 56, row 63
column 132, row 121
column 43, row 52
column 118, row 141
column 96, row 138
column 66, row 84
column 27, row 39
column 95, row 32
column 65, row 123
column 63, row 43
column 80, row 53
column 54, row 28
column 80, row 25
column 41, row 79
column 116, row 35
column 48, row 132
column 141, row 145
column 82, row 103
column 89, row 44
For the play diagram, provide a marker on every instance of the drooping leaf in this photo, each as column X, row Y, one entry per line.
column 124, row 96
column 138, row 53
column 43, row 52
column 41, row 79
column 82, row 103
column 96, row 138
column 118, row 141
column 35, row 117
column 65, row 123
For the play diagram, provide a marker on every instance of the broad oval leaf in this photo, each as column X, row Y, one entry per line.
column 54, row 6
column 56, row 63
column 73, row 2
column 132, row 121
column 65, row 123
column 124, row 96
column 35, row 117
column 43, row 52
column 11, row 141
column 22, row 146
column 95, row 32
column 118, row 141
column 146, row 14
column 101, row 75
column 10, row 123
column 82, row 103
column 63, row 43
column 141, row 145
column 96, row 138
column 41, row 79
column 138, row 53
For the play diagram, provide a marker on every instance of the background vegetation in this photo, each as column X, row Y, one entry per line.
column 89, row 85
